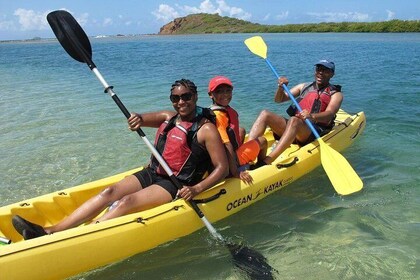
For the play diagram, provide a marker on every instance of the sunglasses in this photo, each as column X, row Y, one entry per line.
column 320, row 68
column 185, row 97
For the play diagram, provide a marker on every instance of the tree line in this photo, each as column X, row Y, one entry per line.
column 213, row 23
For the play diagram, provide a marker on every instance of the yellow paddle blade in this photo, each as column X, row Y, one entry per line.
column 257, row 46
column 342, row 176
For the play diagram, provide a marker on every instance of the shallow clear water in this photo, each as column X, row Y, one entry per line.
column 58, row 129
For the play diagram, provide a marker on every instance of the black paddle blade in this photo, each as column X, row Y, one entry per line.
column 71, row 36
column 251, row 262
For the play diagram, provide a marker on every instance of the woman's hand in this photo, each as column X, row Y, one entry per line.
column 187, row 193
column 134, row 121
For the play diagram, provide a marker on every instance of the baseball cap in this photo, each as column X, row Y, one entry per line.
column 217, row 81
column 326, row 63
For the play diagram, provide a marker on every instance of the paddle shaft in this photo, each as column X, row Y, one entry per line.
column 156, row 154
column 109, row 89
column 76, row 43
column 342, row 176
column 5, row 240
column 311, row 126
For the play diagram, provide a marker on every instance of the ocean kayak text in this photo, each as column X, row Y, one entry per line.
column 268, row 189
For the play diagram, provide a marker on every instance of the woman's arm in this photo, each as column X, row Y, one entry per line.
column 154, row 119
column 209, row 137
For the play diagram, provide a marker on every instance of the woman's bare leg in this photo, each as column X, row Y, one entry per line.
column 146, row 198
column 92, row 207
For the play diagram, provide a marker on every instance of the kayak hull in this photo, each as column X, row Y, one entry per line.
column 86, row 247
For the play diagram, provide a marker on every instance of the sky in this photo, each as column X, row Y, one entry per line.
column 25, row 19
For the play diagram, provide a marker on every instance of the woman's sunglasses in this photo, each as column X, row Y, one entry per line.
column 185, row 97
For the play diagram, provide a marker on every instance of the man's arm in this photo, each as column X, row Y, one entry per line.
column 281, row 95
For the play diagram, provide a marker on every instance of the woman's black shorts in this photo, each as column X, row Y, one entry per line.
column 148, row 177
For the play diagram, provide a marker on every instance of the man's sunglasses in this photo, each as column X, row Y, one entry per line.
column 185, row 97
column 320, row 68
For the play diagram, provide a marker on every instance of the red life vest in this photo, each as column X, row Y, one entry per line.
column 233, row 128
column 315, row 100
column 177, row 143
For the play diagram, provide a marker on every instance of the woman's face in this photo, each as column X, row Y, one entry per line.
column 184, row 102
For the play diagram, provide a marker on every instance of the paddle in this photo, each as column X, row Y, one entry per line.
column 342, row 176
column 76, row 43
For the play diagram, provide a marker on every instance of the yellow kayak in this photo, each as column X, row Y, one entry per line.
column 90, row 246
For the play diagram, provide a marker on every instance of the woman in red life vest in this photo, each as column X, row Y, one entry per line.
column 320, row 102
column 227, row 121
column 188, row 141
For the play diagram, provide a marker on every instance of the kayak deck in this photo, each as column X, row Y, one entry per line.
column 90, row 246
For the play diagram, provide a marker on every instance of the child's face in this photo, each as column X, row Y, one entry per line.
column 222, row 95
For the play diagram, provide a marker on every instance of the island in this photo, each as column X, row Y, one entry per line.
column 214, row 23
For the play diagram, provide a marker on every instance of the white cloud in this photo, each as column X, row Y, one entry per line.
column 391, row 15
column 107, row 22
column 82, row 19
column 26, row 20
column 339, row 17
column 267, row 17
column 205, row 7
column 282, row 15
column 167, row 13
column 123, row 20
column 7, row 25
column 31, row 20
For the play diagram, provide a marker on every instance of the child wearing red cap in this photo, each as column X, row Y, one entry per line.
column 227, row 122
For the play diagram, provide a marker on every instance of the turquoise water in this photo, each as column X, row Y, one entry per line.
column 58, row 129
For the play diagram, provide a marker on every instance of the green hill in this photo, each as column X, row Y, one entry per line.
column 213, row 23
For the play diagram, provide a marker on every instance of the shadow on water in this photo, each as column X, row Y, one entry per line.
column 253, row 263
column 196, row 256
